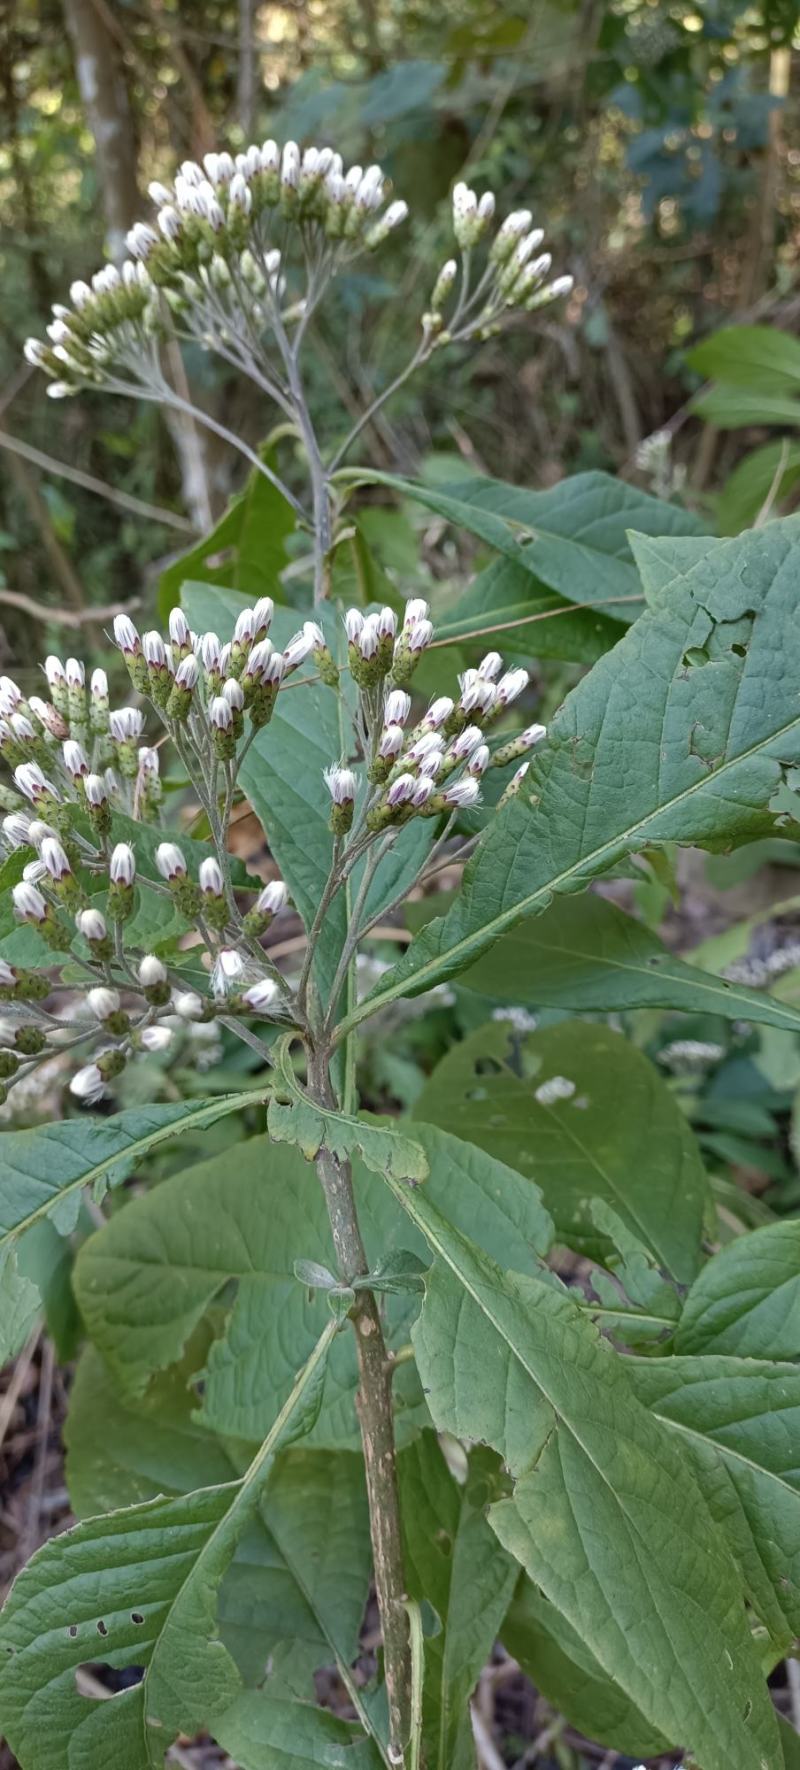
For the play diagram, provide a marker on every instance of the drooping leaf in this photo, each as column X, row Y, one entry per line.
column 245, row 549
column 605, row 1516
column 294, row 1594
column 566, row 1671
column 455, row 1563
column 246, row 1221
column 670, row 738
column 572, row 539
column 138, row 1588
column 738, row 1420
column 549, row 1105
column 761, row 357
column 747, row 1299
column 294, row 1118
column 585, row 953
column 505, row 606
column 264, row 1733
column 736, row 408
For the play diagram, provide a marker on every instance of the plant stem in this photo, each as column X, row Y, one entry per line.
column 374, row 1404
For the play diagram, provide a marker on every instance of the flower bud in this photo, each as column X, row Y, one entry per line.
column 263, row 611
column 153, row 978
column 396, row 707
column 514, row 785
column 57, row 683
column 179, row 633
column 88, row 1084
column 212, row 887
column 16, row 830
column 122, row 872
column 210, row 655
column 170, row 861
column 517, row 746
column 416, row 636
column 126, row 725
column 269, row 903
column 28, row 903
column 98, row 705
column 341, row 784
column 321, row 653
column 105, row 1005
column 75, row 761
column 479, row 761
column 462, row 795
column 298, row 648
column 512, row 230
column 92, row 925
column 154, row 1038
column 220, row 715
column 180, row 696
column 189, row 1006
column 261, row 996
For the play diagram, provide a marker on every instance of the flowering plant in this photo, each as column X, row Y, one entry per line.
column 334, row 1353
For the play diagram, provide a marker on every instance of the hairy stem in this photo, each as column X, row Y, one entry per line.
column 374, row 1403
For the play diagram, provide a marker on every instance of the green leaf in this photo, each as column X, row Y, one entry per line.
column 760, row 357
column 263, row 1733
column 254, row 528
column 769, row 472
column 747, row 1299
column 150, row 1276
column 45, row 1169
column 139, row 1588
column 603, row 1504
column 455, row 1563
column 294, row 1118
column 294, row 1595
column 585, row 953
column 572, row 539
column 739, row 1420
column 736, row 408
column 648, row 749
column 567, row 1673
column 644, row 1161
column 505, row 605
column 19, row 1306
column 790, row 1741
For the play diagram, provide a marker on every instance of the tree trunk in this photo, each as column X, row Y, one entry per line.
column 104, row 90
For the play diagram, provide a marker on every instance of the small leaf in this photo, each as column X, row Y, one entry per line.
column 747, row 1299
column 294, row 1118
column 263, row 1733
column 313, row 1275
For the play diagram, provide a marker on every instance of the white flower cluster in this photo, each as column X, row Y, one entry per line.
column 434, row 767
column 219, row 254
column 515, row 275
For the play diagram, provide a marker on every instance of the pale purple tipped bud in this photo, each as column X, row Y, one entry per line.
column 260, row 996
column 155, row 1038
column 34, row 872
column 511, row 685
column 11, row 693
column 99, row 685
column 54, row 671
column 169, row 222
column 54, row 859
column 270, row 156
column 274, row 668
column 479, row 761
column 233, row 693
column 489, row 667
column 297, row 650
column 533, row 734
column 228, row 969
column 273, row 898
column 170, row 861
column 353, row 623
column 314, row 634
column 400, row 790
column 397, row 707
column 178, row 627
column 210, row 651
column 263, row 611
column 34, row 351
column 187, row 672
column 91, row 924
column 429, row 744
column 148, row 761
column 561, row 286
column 423, row 788
column 415, row 610
column 391, row 742
column 22, row 727
column 88, row 1085
column 75, row 673
column 126, row 635
column 387, row 623
column 290, row 165
column 210, row 876
column 341, row 784
column 103, row 1002
column 7, row 978
column 188, row 1005
column 159, row 193
column 486, row 206
column 74, row 759
column 151, row 971
column 220, row 713
column 519, row 775
column 476, row 694
column 154, row 649
column 462, row 794
column 126, row 724
column 16, row 830
column 94, row 788
column 239, row 194
column 33, row 783
column 369, row 638
column 438, row 711
column 122, row 870
column 421, row 635
column 245, row 627
column 467, row 741
column 28, row 902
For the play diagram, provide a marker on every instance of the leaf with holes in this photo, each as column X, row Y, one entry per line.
column 605, row 1516
column 683, row 733
column 548, row 1104
column 136, row 1588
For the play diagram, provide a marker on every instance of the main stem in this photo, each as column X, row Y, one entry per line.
column 374, row 1403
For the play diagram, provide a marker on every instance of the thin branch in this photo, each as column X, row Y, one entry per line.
column 66, row 617
column 62, row 470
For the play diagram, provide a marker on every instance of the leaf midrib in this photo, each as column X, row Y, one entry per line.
column 217, row 1108
column 607, row 851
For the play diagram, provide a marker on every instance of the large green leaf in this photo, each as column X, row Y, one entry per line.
column 739, row 1421
column 747, row 1299
column 293, row 1117
column 564, row 1668
column 139, row 1588
column 454, row 1561
column 606, row 1517
column 264, row 1733
column 736, row 408
column 250, row 538
column 761, row 357
column 644, row 1161
column 294, row 1595
column 585, row 953
column 572, row 539
column 147, row 1279
column 672, row 737
column 507, row 607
